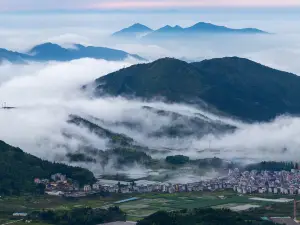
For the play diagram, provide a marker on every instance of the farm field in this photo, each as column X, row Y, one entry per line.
column 149, row 203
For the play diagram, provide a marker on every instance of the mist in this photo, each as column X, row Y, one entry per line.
column 21, row 32
column 44, row 95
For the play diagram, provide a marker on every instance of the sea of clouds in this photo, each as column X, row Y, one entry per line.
column 45, row 94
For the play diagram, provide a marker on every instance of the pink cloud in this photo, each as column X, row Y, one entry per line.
column 14, row 5
column 136, row 4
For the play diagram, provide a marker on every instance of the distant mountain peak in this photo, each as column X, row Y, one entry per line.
column 177, row 26
column 133, row 30
column 140, row 26
column 203, row 24
column 45, row 46
column 169, row 28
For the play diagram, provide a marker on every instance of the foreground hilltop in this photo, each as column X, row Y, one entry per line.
column 19, row 169
column 235, row 86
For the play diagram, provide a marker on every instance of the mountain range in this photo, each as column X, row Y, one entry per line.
column 55, row 52
column 201, row 28
column 232, row 86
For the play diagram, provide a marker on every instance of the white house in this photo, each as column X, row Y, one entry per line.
column 20, row 214
column 96, row 186
column 54, row 193
column 87, row 188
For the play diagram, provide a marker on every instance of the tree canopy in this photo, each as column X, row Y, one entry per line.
column 18, row 170
column 202, row 217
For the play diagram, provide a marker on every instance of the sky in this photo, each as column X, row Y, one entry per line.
column 45, row 5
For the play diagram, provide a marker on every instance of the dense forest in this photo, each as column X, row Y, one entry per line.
column 81, row 216
column 18, row 170
column 202, row 217
column 177, row 159
column 263, row 93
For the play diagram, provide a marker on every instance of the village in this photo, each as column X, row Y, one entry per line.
column 246, row 182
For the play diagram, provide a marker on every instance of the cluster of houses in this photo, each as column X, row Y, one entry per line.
column 275, row 182
column 281, row 182
column 246, row 182
column 58, row 184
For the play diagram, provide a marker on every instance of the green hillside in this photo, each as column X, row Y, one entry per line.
column 18, row 170
column 235, row 86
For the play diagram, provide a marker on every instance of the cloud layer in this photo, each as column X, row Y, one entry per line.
column 46, row 94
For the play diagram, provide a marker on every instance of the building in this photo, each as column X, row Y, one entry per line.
column 87, row 188
column 18, row 214
column 58, row 177
column 96, row 186
column 37, row 181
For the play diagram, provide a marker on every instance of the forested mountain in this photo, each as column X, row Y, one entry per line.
column 235, row 86
column 120, row 148
column 18, row 170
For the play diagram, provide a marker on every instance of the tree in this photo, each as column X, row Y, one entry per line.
column 177, row 159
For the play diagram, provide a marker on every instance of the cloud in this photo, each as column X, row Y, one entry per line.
column 32, row 5
column 46, row 94
column 276, row 140
column 167, row 4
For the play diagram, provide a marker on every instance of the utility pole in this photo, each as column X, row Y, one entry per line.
column 295, row 209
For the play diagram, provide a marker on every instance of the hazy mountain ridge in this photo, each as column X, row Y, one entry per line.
column 16, row 57
column 185, row 126
column 121, row 149
column 55, row 52
column 168, row 31
column 235, row 86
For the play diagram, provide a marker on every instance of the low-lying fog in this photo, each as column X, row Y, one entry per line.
column 46, row 94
